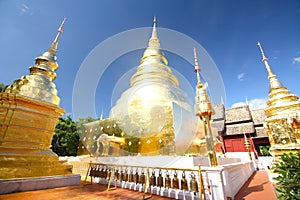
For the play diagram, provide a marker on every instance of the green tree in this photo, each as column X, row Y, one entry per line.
column 82, row 121
column 81, row 148
column 2, row 87
column 65, row 140
column 289, row 177
column 265, row 150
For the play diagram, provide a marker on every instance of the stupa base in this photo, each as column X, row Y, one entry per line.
column 38, row 183
column 15, row 165
column 26, row 131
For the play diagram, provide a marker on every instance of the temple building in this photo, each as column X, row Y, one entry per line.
column 233, row 123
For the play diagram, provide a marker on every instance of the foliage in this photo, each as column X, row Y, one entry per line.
column 2, row 87
column 82, row 121
column 65, row 140
column 265, row 150
column 81, row 148
column 289, row 176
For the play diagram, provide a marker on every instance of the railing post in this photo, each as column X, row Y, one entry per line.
column 145, row 186
column 87, row 172
column 113, row 170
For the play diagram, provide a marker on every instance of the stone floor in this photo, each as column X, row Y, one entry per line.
column 257, row 187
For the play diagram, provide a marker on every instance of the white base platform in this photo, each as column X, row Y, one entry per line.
column 37, row 183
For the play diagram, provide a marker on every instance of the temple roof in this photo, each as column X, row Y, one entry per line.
column 219, row 112
column 260, row 132
column 258, row 116
column 219, row 125
column 238, row 114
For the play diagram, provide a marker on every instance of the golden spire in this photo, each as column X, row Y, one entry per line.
column 50, row 55
column 279, row 96
column 203, row 105
column 39, row 84
column 265, row 60
column 154, row 41
column 53, row 47
column 154, row 56
column 197, row 68
column 274, row 82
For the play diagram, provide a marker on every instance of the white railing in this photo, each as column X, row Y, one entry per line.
column 219, row 183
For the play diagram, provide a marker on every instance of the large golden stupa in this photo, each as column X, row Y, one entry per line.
column 29, row 111
column 154, row 108
column 283, row 116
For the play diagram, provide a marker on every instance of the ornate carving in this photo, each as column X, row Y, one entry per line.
column 280, row 132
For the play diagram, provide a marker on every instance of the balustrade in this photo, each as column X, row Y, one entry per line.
column 164, row 181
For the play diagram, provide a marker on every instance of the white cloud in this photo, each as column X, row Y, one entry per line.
column 241, row 76
column 258, row 103
column 253, row 103
column 25, row 9
column 296, row 60
column 238, row 104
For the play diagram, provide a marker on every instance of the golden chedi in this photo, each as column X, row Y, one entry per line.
column 204, row 110
column 148, row 109
column 29, row 112
column 283, row 116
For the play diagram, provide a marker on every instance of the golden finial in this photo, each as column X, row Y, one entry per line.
column 154, row 41
column 53, row 47
column 154, row 20
column 197, row 68
column 265, row 60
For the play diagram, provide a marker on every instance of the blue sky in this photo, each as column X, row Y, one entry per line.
column 227, row 30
